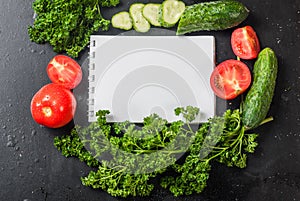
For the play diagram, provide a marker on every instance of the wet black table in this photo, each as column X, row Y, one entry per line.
column 32, row 169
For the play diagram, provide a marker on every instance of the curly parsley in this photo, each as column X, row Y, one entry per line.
column 129, row 157
column 67, row 24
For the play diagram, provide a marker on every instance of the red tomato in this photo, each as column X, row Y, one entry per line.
column 53, row 106
column 244, row 43
column 65, row 71
column 230, row 78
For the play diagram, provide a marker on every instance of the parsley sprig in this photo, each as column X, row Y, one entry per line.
column 129, row 157
column 67, row 24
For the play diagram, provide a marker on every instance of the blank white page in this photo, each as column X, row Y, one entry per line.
column 135, row 76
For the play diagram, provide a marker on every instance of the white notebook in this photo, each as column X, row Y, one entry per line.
column 135, row 76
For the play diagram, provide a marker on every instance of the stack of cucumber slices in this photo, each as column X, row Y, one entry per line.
column 142, row 16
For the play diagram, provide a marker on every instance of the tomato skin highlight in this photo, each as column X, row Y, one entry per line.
column 230, row 79
column 65, row 71
column 53, row 106
column 245, row 43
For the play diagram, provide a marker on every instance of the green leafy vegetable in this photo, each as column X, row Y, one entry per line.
column 130, row 156
column 222, row 139
column 68, row 24
column 109, row 3
column 72, row 146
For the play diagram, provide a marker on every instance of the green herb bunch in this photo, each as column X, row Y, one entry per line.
column 129, row 157
column 67, row 24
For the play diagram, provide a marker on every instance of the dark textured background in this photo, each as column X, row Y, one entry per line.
column 32, row 169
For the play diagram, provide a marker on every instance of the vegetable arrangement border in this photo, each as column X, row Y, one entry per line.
column 226, row 139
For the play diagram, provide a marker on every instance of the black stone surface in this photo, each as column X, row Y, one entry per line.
column 31, row 169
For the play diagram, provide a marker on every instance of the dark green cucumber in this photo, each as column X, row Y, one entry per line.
column 258, row 100
column 214, row 15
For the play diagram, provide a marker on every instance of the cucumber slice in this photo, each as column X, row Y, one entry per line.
column 122, row 20
column 151, row 12
column 171, row 11
column 139, row 22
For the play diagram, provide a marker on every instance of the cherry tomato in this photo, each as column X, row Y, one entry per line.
column 53, row 106
column 244, row 43
column 230, row 78
column 65, row 71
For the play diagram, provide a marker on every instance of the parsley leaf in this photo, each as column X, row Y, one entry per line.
column 67, row 24
column 129, row 156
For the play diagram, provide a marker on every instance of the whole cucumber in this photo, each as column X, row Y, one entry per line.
column 214, row 15
column 258, row 99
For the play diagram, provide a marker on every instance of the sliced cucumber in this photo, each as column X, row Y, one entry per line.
column 122, row 20
column 151, row 12
column 171, row 11
column 139, row 22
